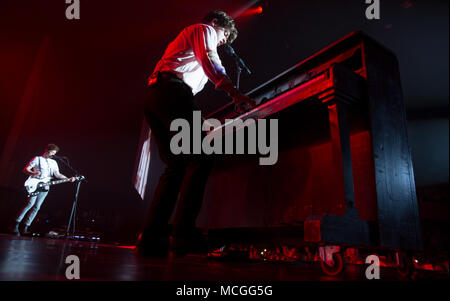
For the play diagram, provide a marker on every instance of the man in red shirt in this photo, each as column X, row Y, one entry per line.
column 187, row 64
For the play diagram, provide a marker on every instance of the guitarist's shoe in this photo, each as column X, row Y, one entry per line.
column 25, row 231
column 15, row 229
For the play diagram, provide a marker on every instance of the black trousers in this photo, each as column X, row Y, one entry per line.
column 185, row 176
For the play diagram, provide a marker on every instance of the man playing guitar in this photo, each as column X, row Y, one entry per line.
column 40, row 167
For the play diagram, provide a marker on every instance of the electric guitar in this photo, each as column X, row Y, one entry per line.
column 34, row 185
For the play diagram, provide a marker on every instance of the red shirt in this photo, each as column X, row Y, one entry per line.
column 193, row 57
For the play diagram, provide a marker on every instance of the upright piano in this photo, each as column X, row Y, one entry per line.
column 344, row 173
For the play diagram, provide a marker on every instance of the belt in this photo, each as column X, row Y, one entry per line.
column 163, row 75
column 167, row 75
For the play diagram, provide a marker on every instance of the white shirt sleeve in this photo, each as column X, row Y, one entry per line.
column 204, row 45
column 33, row 162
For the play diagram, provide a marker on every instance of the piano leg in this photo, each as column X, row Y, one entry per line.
column 342, row 159
column 347, row 229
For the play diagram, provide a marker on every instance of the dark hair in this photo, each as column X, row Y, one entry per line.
column 223, row 20
column 51, row 147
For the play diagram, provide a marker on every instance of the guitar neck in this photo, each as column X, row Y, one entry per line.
column 58, row 181
column 50, row 183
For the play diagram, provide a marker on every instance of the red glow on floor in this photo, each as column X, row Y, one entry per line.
column 127, row 247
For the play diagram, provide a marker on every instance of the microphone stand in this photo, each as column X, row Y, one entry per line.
column 239, row 71
column 240, row 65
column 72, row 214
column 74, row 205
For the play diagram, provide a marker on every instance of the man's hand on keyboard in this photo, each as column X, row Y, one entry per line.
column 243, row 103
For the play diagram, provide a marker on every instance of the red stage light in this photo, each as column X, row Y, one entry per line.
column 253, row 11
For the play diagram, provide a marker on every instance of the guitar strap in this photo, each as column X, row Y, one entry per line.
column 47, row 188
column 40, row 169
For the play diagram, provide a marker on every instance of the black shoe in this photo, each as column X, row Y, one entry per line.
column 25, row 231
column 154, row 247
column 182, row 246
column 15, row 229
column 152, row 251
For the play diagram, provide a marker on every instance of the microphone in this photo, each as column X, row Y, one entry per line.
column 60, row 157
column 239, row 61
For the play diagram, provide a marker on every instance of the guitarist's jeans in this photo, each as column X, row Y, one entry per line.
column 185, row 176
column 31, row 207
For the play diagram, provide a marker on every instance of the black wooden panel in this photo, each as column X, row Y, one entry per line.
column 396, row 194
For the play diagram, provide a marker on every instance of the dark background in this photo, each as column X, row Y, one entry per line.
column 88, row 87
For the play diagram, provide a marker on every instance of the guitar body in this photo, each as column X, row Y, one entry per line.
column 34, row 185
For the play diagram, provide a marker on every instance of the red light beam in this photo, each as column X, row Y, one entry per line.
column 252, row 11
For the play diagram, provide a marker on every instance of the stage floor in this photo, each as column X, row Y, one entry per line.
column 44, row 259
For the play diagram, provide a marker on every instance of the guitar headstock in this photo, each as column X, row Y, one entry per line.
column 79, row 178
